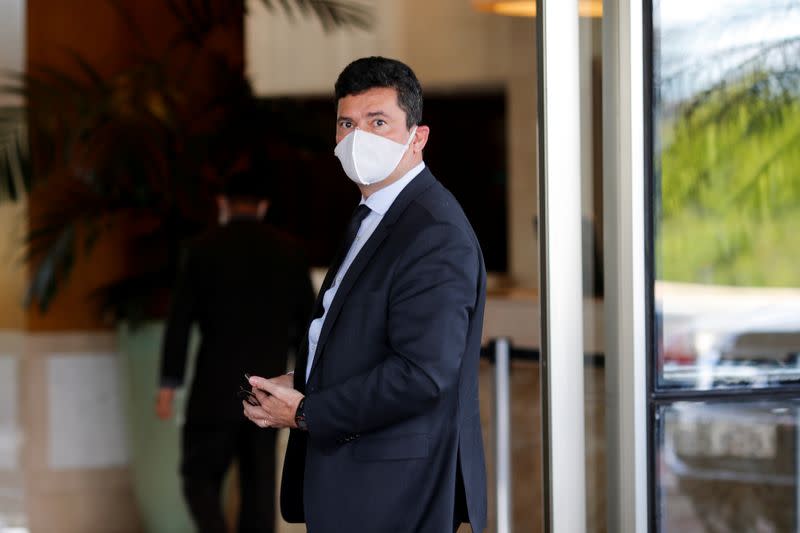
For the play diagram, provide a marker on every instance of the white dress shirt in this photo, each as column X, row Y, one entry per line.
column 379, row 203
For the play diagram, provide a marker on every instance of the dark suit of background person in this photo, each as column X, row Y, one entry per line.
column 393, row 441
column 249, row 292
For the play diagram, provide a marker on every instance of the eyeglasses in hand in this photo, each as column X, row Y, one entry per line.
column 246, row 393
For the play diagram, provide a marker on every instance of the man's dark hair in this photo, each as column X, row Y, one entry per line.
column 371, row 72
column 246, row 186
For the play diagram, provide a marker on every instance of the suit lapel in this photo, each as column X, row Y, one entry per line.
column 419, row 184
column 358, row 265
column 301, row 362
column 326, row 284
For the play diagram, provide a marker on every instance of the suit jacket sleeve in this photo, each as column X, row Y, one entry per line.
column 431, row 302
column 179, row 323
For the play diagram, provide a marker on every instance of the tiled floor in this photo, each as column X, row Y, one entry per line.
column 526, row 448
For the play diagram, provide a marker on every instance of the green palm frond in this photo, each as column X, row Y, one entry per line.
column 135, row 29
column 331, row 13
column 199, row 18
column 15, row 160
column 55, row 266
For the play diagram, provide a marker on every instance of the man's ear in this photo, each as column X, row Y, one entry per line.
column 420, row 138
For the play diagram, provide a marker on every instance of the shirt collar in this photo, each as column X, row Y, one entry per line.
column 381, row 200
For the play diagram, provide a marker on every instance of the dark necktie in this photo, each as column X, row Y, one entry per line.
column 358, row 217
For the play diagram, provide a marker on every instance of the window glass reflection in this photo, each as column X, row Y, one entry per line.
column 727, row 186
column 727, row 467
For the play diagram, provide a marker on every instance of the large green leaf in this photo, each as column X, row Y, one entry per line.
column 331, row 13
column 730, row 170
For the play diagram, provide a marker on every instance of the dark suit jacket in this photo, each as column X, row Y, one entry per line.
column 394, row 437
column 248, row 289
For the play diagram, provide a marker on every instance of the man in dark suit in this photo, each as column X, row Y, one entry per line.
column 383, row 405
column 248, row 289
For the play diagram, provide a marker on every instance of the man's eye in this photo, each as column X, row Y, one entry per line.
column 380, row 122
column 345, row 124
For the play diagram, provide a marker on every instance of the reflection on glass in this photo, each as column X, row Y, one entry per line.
column 727, row 209
column 12, row 505
column 727, row 467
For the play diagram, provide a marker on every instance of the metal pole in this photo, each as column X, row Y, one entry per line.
column 502, row 434
column 561, row 276
column 626, row 283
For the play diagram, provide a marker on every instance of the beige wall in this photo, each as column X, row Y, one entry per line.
column 77, row 480
column 450, row 45
column 447, row 43
column 523, row 191
column 288, row 56
column 12, row 271
column 12, row 39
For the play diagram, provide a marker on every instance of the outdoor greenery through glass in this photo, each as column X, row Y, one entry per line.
column 728, row 119
column 726, row 156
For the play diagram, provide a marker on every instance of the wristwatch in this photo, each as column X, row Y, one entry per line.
column 300, row 415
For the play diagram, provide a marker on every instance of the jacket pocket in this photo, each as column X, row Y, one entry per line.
column 391, row 448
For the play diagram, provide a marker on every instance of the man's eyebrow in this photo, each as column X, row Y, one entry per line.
column 371, row 114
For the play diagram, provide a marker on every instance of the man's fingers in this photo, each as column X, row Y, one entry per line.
column 259, row 382
column 253, row 412
column 260, row 395
column 285, row 380
column 268, row 386
column 276, row 403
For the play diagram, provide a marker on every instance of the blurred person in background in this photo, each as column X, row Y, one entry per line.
column 248, row 289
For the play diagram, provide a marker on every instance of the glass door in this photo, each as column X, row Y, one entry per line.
column 724, row 381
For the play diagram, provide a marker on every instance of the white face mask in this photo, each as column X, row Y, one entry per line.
column 368, row 158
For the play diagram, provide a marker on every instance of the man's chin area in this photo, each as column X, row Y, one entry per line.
column 366, row 190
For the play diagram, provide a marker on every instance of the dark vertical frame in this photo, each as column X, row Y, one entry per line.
column 649, row 252
column 544, row 375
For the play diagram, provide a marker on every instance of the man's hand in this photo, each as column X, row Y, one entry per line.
column 278, row 402
column 164, row 403
column 284, row 380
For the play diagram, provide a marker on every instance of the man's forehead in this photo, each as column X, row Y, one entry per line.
column 378, row 99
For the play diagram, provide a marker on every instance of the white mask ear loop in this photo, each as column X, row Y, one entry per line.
column 411, row 137
column 408, row 143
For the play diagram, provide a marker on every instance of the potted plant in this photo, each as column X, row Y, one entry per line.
column 140, row 154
